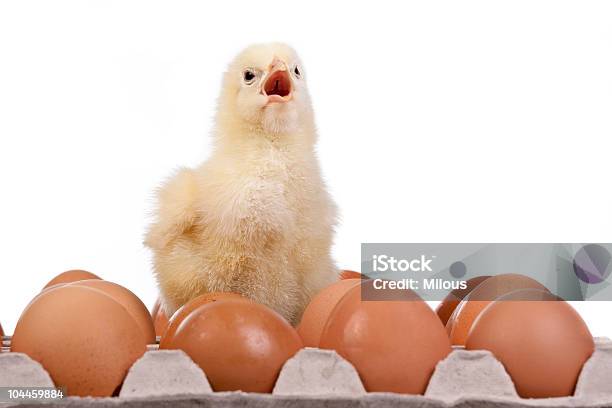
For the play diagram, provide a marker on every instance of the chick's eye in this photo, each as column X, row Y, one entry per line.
column 296, row 71
column 248, row 76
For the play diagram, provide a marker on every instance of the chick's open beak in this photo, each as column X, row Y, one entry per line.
column 277, row 86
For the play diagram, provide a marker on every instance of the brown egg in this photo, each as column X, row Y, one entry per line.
column 71, row 276
column 160, row 319
column 394, row 345
column 541, row 341
column 318, row 310
column 178, row 317
column 346, row 274
column 446, row 308
column 64, row 278
column 128, row 300
column 240, row 345
column 460, row 322
column 84, row 338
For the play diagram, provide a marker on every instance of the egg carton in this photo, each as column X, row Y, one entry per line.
column 315, row 377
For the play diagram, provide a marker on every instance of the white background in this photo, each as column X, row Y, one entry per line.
column 473, row 121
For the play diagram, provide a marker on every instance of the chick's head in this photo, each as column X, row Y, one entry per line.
column 264, row 87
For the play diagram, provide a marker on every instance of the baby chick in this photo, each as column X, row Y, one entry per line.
column 255, row 218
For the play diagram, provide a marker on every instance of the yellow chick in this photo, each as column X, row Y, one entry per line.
column 255, row 218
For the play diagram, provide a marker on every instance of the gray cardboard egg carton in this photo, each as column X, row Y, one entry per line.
column 313, row 377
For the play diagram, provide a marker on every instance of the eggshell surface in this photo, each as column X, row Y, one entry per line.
column 394, row 345
column 71, row 276
column 468, row 310
column 178, row 317
column 346, row 274
column 160, row 319
column 318, row 310
column 240, row 345
column 448, row 305
column 128, row 300
column 84, row 338
column 543, row 344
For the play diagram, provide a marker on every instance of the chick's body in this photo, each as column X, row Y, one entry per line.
column 255, row 218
